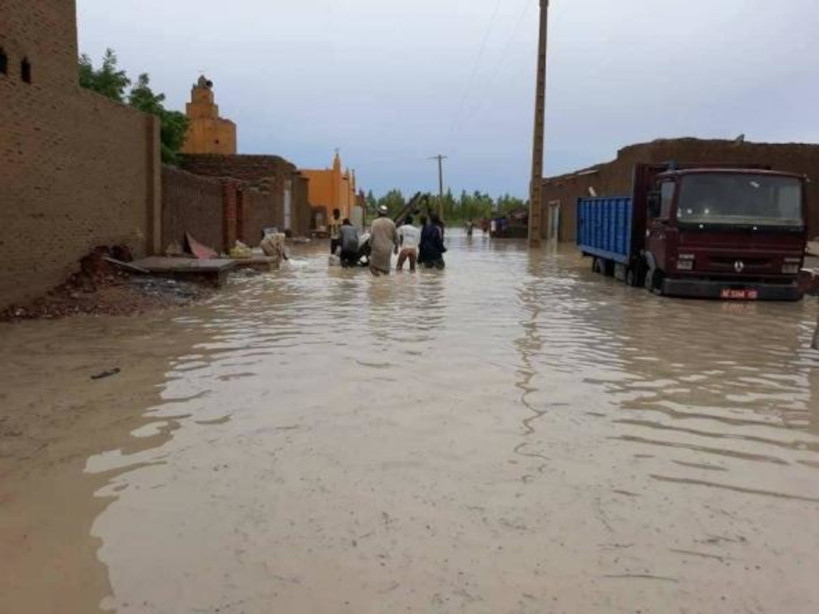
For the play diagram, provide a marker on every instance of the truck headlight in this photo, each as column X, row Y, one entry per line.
column 685, row 262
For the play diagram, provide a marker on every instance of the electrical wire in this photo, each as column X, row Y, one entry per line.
column 507, row 48
column 474, row 72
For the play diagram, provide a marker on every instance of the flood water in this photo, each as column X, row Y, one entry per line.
column 512, row 434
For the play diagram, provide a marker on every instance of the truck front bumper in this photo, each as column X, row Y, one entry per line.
column 702, row 288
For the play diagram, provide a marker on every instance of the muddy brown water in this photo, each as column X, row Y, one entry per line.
column 513, row 434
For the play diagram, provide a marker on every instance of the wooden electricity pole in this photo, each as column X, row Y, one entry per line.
column 440, row 159
column 536, row 187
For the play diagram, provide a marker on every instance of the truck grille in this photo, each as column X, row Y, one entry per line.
column 740, row 264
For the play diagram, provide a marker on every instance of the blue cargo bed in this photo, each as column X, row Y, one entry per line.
column 604, row 228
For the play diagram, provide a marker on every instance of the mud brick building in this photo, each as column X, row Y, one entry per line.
column 76, row 169
column 614, row 178
column 270, row 191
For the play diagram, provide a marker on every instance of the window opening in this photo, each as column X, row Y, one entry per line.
column 25, row 70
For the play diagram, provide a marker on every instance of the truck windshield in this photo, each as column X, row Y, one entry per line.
column 724, row 198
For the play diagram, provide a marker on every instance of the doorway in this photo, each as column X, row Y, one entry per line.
column 288, row 205
column 553, row 229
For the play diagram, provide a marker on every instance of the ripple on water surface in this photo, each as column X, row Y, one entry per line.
column 473, row 440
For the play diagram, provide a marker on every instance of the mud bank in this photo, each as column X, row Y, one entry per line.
column 103, row 288
column 512, row 434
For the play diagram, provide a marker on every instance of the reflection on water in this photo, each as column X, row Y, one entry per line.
column 513, row 433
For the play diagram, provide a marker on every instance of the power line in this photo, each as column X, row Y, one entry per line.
column 527, row 4
column 475, row 68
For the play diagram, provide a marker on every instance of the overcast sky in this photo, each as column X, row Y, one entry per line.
column 393, row 82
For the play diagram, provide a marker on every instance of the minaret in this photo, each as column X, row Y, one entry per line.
column 207, row 132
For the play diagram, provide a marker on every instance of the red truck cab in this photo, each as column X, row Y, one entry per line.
column 724, row 233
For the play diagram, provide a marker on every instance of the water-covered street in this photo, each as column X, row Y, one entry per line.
column 511, row 434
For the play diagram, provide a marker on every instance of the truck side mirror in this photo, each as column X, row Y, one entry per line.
column 654, row 202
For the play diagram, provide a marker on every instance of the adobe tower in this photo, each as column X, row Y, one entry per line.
column 207, row 133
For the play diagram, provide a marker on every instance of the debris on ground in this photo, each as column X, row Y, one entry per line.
column 198, row 249
column 240, row 251
column 103, row 287
column 104, row 374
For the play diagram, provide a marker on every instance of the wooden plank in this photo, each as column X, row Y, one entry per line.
column 126, row 265
column 158, row 264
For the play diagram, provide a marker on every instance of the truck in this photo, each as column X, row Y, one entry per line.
column 727, row 232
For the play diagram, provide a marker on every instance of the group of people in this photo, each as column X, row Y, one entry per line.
column 424, row 246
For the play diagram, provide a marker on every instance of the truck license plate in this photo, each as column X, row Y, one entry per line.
column 740, row 295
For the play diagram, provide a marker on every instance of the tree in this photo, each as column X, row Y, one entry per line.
column 174, row 124
column 107, row 80
column 394, row 201
column 507, row 203
column 112, row 83
column 372, row 202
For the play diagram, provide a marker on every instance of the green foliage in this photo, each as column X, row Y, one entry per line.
column 507, row 204
column 112, row 83
column 394, row 200
column 474, row 206
column 372, row 202
column 107, row 80
column 143, row 98
column 174, row 123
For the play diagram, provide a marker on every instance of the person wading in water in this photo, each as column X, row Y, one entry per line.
column 432, row 244
column 384, row 239
column 335, row 232
column 349, row 244
column 409, row 237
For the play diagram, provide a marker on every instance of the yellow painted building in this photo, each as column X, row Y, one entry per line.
column 330, row 189
column 207, row 133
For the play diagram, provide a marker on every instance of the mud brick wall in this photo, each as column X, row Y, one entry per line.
column 243, row 167
column 615, row 178
column 193, row 204
column 261, row 213
column 76, row 170
column 268, row 174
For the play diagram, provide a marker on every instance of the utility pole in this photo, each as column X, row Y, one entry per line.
column 440, row 159
column 536, row 187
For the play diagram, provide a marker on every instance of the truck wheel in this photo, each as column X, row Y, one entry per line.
column 603, row 267
column 635, row 276
column 654, row 281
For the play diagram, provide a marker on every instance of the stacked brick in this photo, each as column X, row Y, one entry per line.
column 191, row 204
column 76, row 169
column 264, row 181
